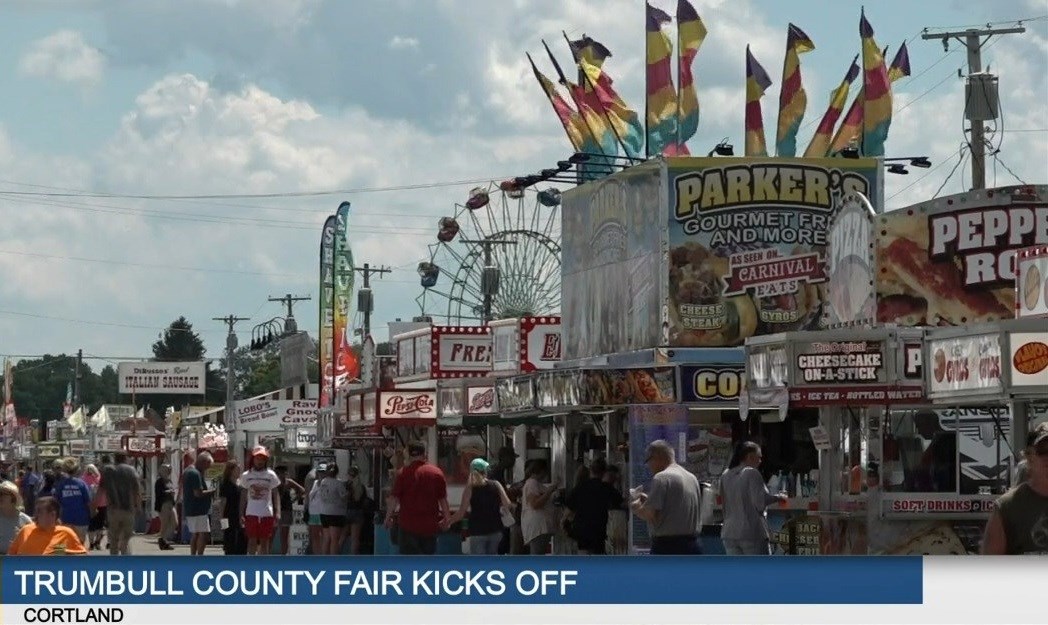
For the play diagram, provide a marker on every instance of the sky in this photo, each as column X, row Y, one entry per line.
column 399, row 107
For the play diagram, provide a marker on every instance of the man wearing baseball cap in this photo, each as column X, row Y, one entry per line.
column 260, row 502
column 1019, row 525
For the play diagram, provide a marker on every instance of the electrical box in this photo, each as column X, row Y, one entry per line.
column 980, row 97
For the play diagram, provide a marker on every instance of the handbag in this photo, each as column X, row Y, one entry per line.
column 508, row 520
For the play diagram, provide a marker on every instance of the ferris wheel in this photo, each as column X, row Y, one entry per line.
column 496, row 257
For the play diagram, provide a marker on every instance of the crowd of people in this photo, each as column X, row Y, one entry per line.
column 72, row 506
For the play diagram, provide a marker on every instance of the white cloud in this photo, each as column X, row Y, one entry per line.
column 403, row 43
column 64, row 56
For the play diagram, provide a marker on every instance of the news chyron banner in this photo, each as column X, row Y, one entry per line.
column 150, row 590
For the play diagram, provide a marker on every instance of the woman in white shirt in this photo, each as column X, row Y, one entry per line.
column 536, row 517
column 328, row 499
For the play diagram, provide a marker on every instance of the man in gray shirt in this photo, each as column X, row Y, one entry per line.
column 124, row 494
column 672, row 507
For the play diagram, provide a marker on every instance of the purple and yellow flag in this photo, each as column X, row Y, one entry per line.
column 662, row 97
column 820, row 143
column 569, row 117
column 877, row 93
column 691, row 32
column 624, row 121
column 851, row 131
column 757, row 83
column 793, row 100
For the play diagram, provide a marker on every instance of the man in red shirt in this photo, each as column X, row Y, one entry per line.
column 420, row 496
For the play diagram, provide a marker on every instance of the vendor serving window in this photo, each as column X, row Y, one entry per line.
column 920, row 455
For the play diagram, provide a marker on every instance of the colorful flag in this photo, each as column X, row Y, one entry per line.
column 327, row 311
column 877, row 93
column 850, row 132
column 900, row 67
column 662, row 97
column 757, row 83
column 67, row 407
column 569, row 117
column 793, row 100
column 624, row 121
column 593, row 51
column 347, row 366
column 691, row 32
column 820, row 143
column 599, row 138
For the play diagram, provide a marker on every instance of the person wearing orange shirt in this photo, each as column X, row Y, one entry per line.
column 45, row 537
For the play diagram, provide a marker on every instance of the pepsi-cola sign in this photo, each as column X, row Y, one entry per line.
column 481, row 400
column 407, row 405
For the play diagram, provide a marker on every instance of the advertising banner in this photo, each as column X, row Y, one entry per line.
column 516, row 394
column 346, row 363
column 460, row 351
column 169, row 378
column 272, row 415
column 964, row 364
column 951, row 260
column 610, row 264
column 1031, row 284
column 540, row 343
column 748, row 242
column 407, row 406
column 481, row 400
column 327, row 312
column 1029, row 358
column 850, row 287
column 710, row 383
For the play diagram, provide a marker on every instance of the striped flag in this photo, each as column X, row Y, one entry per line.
column 820, row 143
column 625, row 122
column 569, row 117
column 691, row 32
column 757, row 83
column 851, row 129
column 877, row 93
column 598, row 137
column 662, row 97
column 793, row 100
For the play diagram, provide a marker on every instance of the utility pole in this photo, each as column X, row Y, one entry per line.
column 365, row 301
column 76, row 379
column 972, row 40
column 489, row 279
column 231, row 345
column 290, row 326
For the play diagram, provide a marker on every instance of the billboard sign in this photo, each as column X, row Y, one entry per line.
column 951, row 260
column 460, row 352
column 168, row 378
column 850, row 297
column 748, row 243
column 610, row 258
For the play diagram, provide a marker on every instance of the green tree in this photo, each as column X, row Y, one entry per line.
column 179, row 343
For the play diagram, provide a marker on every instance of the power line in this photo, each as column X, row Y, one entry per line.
column 83, row 193
column 148, row 265
column 113, row 324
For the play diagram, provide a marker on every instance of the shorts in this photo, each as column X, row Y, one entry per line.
column 259, row 527
column 332, row 520
column 314, row 519
column 199, row 524
column 286, row 517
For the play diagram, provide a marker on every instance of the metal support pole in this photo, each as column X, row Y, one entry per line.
column 231, row 345
column 972, row 40
column 366, row 271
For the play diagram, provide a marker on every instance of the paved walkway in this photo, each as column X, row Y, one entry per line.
column 146, row 546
